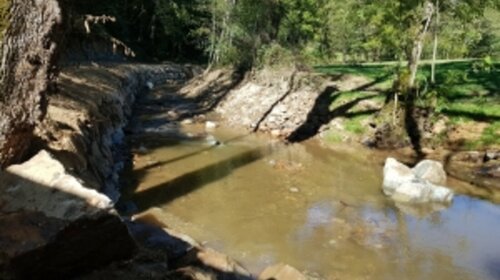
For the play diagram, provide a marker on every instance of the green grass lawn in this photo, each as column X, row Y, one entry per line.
column 464, row 94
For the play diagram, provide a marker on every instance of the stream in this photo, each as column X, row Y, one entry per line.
column 318, row 209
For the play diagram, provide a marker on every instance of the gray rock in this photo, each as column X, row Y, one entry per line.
column 56, row 226
column 431, row 171
column 417, row 185
column 187, row 121
column 45, row 186
column 422, row 192
column 294, row 190
column 395, row 174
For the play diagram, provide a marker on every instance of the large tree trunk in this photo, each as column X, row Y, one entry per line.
column 418, row 43
column 27, row 72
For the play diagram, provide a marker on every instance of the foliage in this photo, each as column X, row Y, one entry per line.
column 460, row 90
column 155, row 29
column 485, row 64
column 355, row 125
column 247, row 32
column 491, row 135
column 275, row 55
column 240, row 29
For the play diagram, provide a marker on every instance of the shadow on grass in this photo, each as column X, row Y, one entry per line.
column 321, row 114
column 476, row 116
column 455, row 76
column 372, row 71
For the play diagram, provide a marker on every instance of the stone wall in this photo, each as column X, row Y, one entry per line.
column 86, row 117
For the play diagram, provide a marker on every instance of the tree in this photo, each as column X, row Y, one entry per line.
column 416, row 52
column 30, row 48
column 435, row 43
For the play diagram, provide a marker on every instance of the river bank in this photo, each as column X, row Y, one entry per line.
column 82, row 139
column 295, row 105
column 55, row 198
column 262, row 200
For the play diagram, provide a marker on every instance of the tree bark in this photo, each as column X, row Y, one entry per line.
column 435, row 47
column 418, row 43
column 27, row 72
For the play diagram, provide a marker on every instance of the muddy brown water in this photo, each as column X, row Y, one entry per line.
column 318, row 209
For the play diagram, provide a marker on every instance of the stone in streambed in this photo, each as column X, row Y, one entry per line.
column 210, row 125
column 212, row 141
column 187, row 121
column 281, row 272
column 422, row 192
column 395, row 174
column 418, row 185
column 430, row 170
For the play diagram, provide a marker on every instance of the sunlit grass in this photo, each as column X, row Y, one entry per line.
column 355, row 125
column 463, row 91
column 489, row 137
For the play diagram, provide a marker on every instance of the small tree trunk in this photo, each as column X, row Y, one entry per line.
column 27, row 71
column 418, row 43
column 435, row 47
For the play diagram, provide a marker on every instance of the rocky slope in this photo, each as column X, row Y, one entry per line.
column 86, row 117
column 59, row 222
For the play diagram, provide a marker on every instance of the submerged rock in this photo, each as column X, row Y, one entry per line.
column 418, row 185
column 281, row 272
column 56, row 226
column 212, row 141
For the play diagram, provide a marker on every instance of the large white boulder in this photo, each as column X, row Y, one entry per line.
column 42, row 184
column 422, row 192
column 430, row 170
column 422, row 184
column 395, row 174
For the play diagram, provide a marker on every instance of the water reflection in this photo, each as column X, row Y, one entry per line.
column 318, row 210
